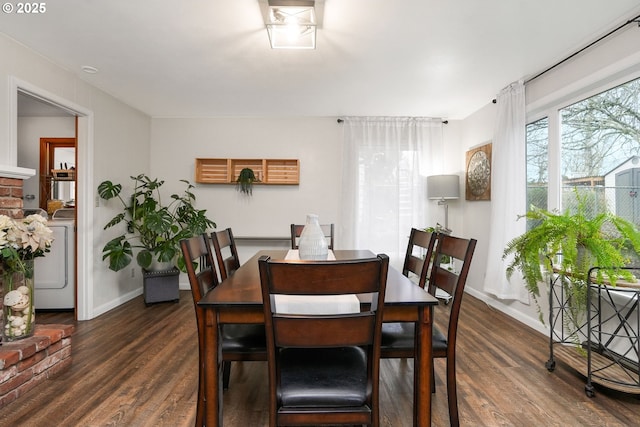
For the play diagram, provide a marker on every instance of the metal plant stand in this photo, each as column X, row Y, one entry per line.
column 570, row 343
column 605, row 347
column 612, row 347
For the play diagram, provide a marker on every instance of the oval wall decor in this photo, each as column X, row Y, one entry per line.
column 478, row 176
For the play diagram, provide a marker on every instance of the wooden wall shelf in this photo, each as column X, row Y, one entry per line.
column 268, row 171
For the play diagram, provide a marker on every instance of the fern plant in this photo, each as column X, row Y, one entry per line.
column 569, row 244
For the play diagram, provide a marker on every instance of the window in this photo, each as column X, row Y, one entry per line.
column 599, row 146
column 383, row 194
column 537, row 138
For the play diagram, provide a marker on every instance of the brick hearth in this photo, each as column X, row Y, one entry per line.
column 26, row 363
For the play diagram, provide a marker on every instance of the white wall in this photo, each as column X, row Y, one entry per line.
column 30, row 130
column 121, row 149
column 476, row 130
column 114, row 140
column 316, row 142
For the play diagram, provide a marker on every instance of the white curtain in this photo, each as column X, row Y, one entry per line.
column 384, row 181
column 508, row 197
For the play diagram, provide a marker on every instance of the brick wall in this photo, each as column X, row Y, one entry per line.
column 11, row 197
column 27, row 362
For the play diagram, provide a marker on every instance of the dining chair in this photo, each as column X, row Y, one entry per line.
column 226, row 252
column 398, row 338
column 324, row 367
column 417, row 259
column 239, row 342
column 327, row 229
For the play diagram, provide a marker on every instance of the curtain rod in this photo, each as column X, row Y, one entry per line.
column 444, row 122
column 615, row 30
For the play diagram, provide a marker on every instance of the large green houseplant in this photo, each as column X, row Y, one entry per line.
column 150, row 226
column 569, row 244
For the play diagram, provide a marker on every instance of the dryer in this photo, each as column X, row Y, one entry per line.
column 54, row 274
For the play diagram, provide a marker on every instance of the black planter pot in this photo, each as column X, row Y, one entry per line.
column 161, row 286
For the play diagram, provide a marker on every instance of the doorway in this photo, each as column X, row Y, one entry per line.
column 57, row 172
column 55, row 274
column 84, row 273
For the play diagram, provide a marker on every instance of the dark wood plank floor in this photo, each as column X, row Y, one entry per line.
column 136, row 366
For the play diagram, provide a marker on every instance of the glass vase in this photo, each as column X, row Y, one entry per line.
column 18, row 310
column 312, row 244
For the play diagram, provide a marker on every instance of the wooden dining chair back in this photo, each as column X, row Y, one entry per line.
column 226, row 252
column 451, row 263
column 202, row 277
column 448, row 265
column 417, row 260
column 449, row 270
column 398, row 337
column 239, row 341
column 327, row 229
column 324, row 367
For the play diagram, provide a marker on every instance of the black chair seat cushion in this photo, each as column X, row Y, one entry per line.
column 400, row 336
column 239, row 338
column 308, row 381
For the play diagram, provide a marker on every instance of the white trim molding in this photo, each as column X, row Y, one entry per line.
column 7, row 171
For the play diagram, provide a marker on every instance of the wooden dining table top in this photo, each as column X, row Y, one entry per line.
column 243, row 288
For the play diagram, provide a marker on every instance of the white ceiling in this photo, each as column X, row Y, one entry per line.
column 197, row 58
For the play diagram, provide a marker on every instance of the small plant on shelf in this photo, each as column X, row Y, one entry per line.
column 245, row 181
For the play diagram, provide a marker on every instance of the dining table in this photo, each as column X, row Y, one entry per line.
column 238, row 299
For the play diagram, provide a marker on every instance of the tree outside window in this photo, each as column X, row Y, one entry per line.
column 600, row 149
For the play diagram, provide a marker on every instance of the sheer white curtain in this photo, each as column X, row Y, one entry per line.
column 508, row 198
column 384, row 181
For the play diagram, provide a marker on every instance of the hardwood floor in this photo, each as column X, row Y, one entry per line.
column 136, row 366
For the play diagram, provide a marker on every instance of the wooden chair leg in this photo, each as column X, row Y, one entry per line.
column 226, row 374
column 200, row 405
column 433, row 377
column 452, row 393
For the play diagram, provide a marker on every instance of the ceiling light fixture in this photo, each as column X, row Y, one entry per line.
column 291, row 24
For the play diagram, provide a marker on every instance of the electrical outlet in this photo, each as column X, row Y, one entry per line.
column 133, row 272
column 97, row 201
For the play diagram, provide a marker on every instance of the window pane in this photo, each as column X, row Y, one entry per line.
column 537, row 165
column 387, row 197
column 600, row 143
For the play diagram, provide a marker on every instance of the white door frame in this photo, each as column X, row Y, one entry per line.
column 84, row 186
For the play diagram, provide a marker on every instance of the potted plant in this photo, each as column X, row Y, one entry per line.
column 569, row 244
column 245, row 181
column 154, row 228
column 21, row 241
